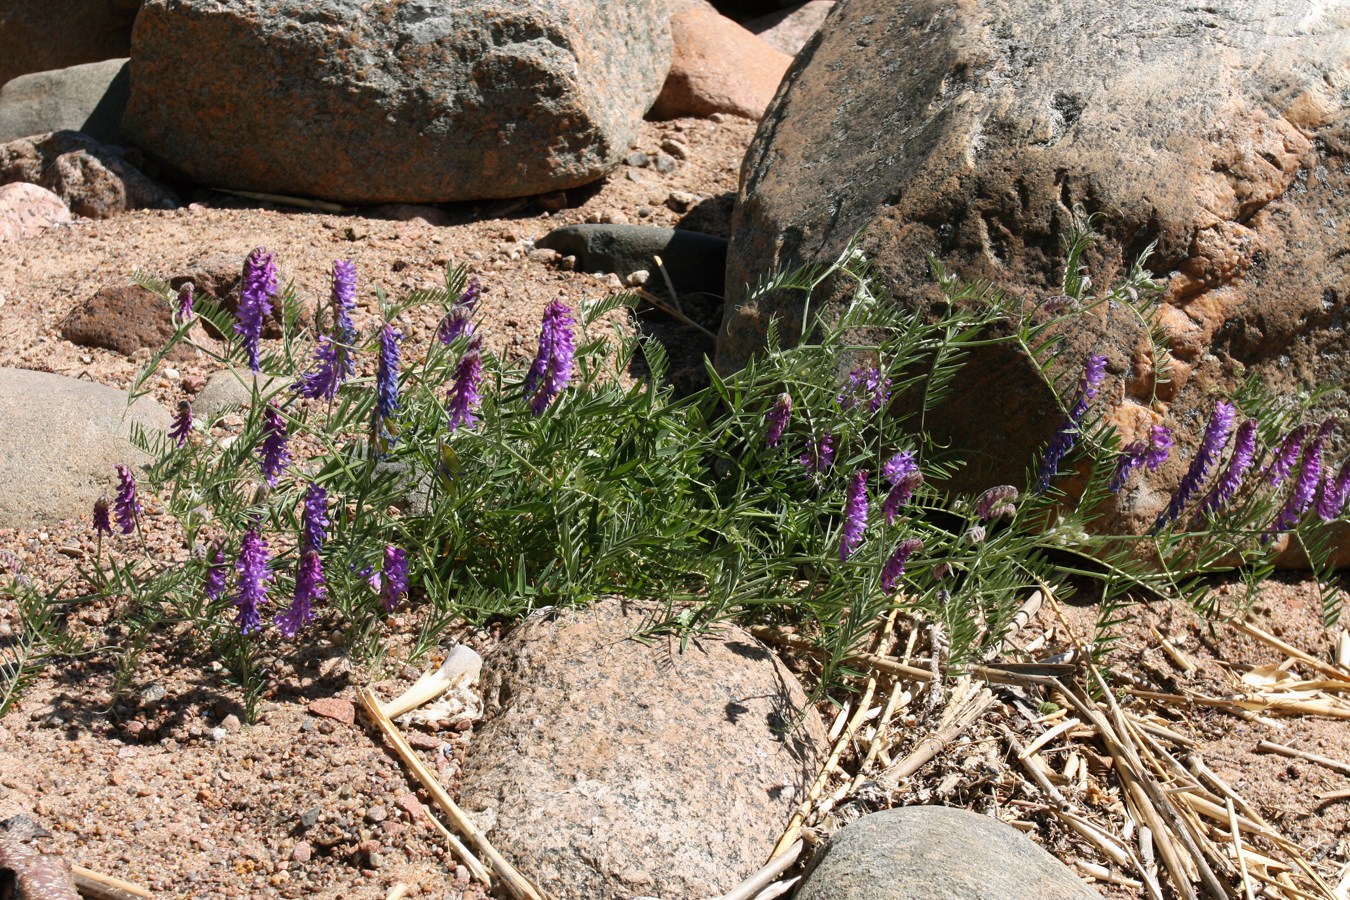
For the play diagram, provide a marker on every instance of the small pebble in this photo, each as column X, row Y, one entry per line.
column 681, row 201
column 310, row 817
column 302, row 852
column 665, row 163
column 231, row 723
column 218, row 734
column 675, row 148
column 153, row 693
column 637, row 159
column 635, row 175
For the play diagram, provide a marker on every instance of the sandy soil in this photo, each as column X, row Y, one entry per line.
column 161, row 785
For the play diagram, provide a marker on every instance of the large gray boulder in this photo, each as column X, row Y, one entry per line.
column 1220, row 131
column 615, row 768
column 402, row 101
column 59, row 440
column 937, row 853
column 88, row 98
column 40, row 35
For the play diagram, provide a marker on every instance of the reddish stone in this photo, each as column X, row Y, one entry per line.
column 28, row 209
column 336, row 708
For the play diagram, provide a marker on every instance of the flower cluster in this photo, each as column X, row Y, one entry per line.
column 333, row 362
column 895, row 564
column 184, row 303
column 182, row 424
column 902, row 472
column 102, row 521
column 552, row 366
column 865, row 384
column 1305, row 490
column 459, row 322
column 1094, row 370
column 394, row 584
column 1211, row 446
column 1139, row 453
column 273, row 451
column 386, row 382
column 997, row 503
column 255, row 302
column 777, row 419
column 1239, row 461
column 855, row 515
column 254, row 574
column 464, row 389
column 819, row 455
column 127, row 506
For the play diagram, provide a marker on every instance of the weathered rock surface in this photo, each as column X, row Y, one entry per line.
column 59, row 440
column 229, row 391
column 788, row 30
column 38, row 35
column 403, row 101
column 89, row 98
column 695, row 262
column 1223, row 135
column 124, row 319
column 26, row 210
column 94, row 179
column 937, row 853
column 617, row 768
column 718, row 67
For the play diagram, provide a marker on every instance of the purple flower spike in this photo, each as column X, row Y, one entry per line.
column 777, row 419
column 1094, row 370
column 1305, row 487
column 394, row 585
column 459, row 322
column 819, row 455
column 865, row 384
column 344, row 297
column 309, row 587
column 255, row 301
column 464, row 395
column 127, row 506
column 552, row 367
column 1244, row 451
column 185, row 303
column 273, row 450
column 895, row 566
column 102, row 521
column 322, row 380
column 1211, row 446
column 182, row 423
column 216, row 571
column 314, row 520
column 855, row 515
column 1286, row 455
column 386, row 379
column 1153, row 454
column 1334, row 494
column 253, row 579
column 903, row 473
column 997, row 503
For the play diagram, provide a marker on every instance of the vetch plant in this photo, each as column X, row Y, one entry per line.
column 455, row 486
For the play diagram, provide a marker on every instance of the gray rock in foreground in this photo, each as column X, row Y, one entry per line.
column 401, row 101
column 937, row 853
column 59, row 440
column 1220, row 131
column 616, row 768
column 88, row 98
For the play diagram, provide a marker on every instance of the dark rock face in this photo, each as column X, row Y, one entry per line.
column 402, row 101
column 123, row 319
column 95, row 180
column 936, row 853
column 38, row 35
column 971, row 132
column 617, row 768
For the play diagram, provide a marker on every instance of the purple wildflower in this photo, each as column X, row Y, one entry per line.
column 255, row 301
column 344, row 298
column 1060, row 445
column 552, row 365
column 777, row 419
column 1286, row 455
column 102, row 522
column 464, row 395
column 903, row 473
column 273, row 451
column 253, row 579
column 314, row 520
column 182, row 423
column 1334, row 493
column 309, row 587
column 216, row 571
column 865, row 384
column 819, row 455
column 895, row 566
column 126, row 507
column 1244, row 451
column 1153, row 454
column 1211, row 445
column 997, row 503
column 855, row 515
column 322, row 380
column 458, row 322
column 386, row 379
column 185, row 302
column 1305, row 487
column 394, row 585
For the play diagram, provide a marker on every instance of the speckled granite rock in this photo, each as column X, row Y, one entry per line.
column 27, row 209
column 937, row 853
column 94, row 179
column 88, row 98
column 397, row 101
column 718, row 66
column 615, row 768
